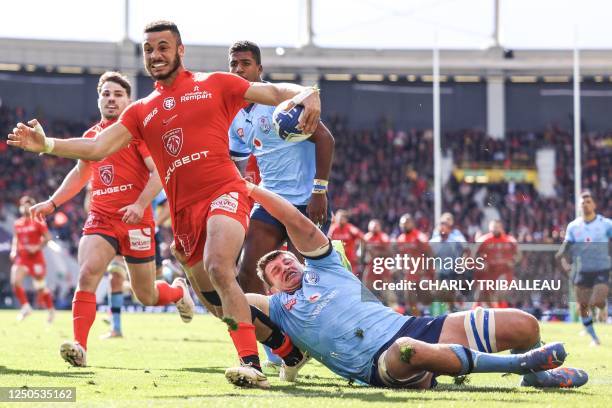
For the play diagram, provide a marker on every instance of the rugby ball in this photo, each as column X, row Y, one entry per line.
column 286, row 122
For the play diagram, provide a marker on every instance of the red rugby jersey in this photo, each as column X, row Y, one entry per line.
column 499, row 252
column 118, row 180
column 29, row 233
column 185, row 128
column 349, row 234
column 414, row 243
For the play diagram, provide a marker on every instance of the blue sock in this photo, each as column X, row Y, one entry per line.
column 473, row 361
column 587, row 322
column 532, row 378
column 272, row 357
column 116, row 302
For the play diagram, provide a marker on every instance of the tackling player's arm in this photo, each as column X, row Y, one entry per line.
column 31, row 137
column 267, row 93
column 74, row 182
column 306, row 237
column 324, row 153
column 133, row 213
column 13, row 253
column 259, row 301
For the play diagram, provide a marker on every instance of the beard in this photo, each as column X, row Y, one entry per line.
column 175, row 64
column 111, row 116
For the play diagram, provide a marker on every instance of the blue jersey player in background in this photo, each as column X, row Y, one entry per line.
column 299, row 172
column 329, row 314
column 587, row 239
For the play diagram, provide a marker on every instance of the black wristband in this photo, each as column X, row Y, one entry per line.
column 54, row 205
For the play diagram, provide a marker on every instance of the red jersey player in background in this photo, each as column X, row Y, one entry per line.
column 184, row 122
column 377, row 245
column 120, row 221
column 29, row 238
column 414, row 243
column 501, row 254
column 341, row 229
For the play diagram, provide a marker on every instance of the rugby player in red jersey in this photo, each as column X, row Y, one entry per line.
column 500, row 252
column 120, row 221
column 184, row 123
column 376, row 246
column 414, row 243
column 342, row 230
column 29, row 238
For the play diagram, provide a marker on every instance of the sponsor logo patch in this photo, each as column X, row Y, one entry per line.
column 314, row 297
column 240, row 132
column 264, row 124
column 173, row 141
column 165, row 122
column 140, row 239
column 146, row 121
column 169, row 103
column 289, row 305
column 311, row 277
column 196, row 95
column 226, row 202
column 107, row 174
column 257, row 143
column 185, row 244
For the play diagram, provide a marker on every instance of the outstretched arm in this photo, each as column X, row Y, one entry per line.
column 267, row 93
column 133, row 213
column 303, row 233
column 31, row 137
column 72, row 184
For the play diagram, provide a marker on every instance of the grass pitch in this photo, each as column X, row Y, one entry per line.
column 164, row 362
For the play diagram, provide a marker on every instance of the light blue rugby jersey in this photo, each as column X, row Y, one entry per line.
column 453, row 247
column 329, row 318
column 589, row 241
column 288, row 169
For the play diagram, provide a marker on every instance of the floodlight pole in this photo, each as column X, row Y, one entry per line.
column 496, row 42
column 437, row 159
column 577, row 130
column 126, row 20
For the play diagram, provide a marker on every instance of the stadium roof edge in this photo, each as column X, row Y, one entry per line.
column 313, row 60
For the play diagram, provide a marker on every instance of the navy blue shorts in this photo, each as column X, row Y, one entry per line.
column 590, row 279
column 158, row 257
column 426, row 329
column 260, row 213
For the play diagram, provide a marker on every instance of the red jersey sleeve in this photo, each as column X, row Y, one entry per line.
column 234, row 88
column 142, row 149
column 42, row 228
column 129, row 119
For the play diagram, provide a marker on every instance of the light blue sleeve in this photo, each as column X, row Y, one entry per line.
column 239, row 148
column 608, row 227
column 569, row 234
column 274, row 309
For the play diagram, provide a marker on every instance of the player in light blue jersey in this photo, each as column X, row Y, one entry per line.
column 299, row 172
column 448, row 243
column 588, row 240
column 328, row 313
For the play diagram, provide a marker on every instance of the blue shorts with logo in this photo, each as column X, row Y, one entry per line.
column 260, row 213
column 426, row 329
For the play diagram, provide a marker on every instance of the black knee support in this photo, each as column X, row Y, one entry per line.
column 212, row 297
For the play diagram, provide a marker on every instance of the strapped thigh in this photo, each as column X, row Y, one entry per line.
column 479, row 325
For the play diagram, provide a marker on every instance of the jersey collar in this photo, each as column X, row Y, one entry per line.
column 180, row 78
column 103, row 124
